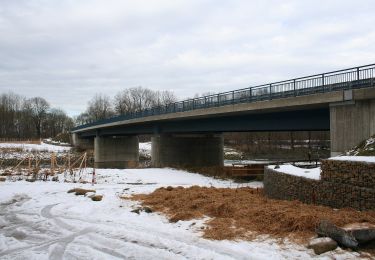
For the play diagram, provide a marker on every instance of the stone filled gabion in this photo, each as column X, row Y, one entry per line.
column 360, row 174
column 343, row 184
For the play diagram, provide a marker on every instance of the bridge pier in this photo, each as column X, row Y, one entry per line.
column 116, row 152
column 82, row 143
column 186, row 151
column 351, row 123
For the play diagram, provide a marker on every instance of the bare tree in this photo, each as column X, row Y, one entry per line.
column 99, row 107
column 39, row 107
column 163, row 98
column 137, row 99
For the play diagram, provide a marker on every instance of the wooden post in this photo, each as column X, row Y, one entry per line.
column 52, row 164
column 29, row 165
column 85, row 160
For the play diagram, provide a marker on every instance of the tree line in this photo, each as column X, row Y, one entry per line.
column 124, row 102
column 27, row 118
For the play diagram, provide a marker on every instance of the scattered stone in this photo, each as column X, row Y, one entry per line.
column 147, row 209
column 362, row 232
column 137, row 210
column 322, row 244
column 2, row 179
column 55, row 178
column 97, row 197
column 30, row 180
column 328, row 229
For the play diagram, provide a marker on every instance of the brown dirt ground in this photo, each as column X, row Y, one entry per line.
column 245, row 213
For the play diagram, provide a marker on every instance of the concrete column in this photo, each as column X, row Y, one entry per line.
column 82, row 143
column 186, row 151
column 351, row 123
column 116, row 152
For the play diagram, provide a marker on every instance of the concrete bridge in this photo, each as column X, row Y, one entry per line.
column 189, row 133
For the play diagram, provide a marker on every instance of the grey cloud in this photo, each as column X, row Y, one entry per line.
column 66, row 51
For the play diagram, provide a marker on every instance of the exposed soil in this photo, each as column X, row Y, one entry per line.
column 245, row 213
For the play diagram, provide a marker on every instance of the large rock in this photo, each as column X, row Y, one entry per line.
column 322, row 244
column 363, row 232
column 342, row 237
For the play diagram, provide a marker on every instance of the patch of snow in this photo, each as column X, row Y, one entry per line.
column 36, row 147
column 55, row 224
column 313, row 173
column 370, row 159
column 145, row 149
column 259, row 161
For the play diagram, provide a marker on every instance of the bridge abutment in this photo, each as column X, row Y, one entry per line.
column 82, row 143
column 187, row 151
column 116, row 152
column 351, row 123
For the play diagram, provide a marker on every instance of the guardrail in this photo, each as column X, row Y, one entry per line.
column 356, row 77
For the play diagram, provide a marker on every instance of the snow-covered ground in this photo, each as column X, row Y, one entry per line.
column 36, row 147
column 313, row 173
column 20, row 151
column 41, row 220
column 370, row 159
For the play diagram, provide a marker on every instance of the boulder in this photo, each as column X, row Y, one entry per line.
column 342, row 237
column 147, row 209
column 97, row 197
column 363, row 232
column 322, row 244
column 137, row 210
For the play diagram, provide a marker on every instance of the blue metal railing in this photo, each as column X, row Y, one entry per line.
column 357, row 77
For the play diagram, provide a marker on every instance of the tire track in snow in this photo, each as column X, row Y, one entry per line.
column 155, row 239
column 46, row 213
column 46, row 244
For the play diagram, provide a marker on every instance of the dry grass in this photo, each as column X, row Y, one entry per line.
column 245, row 213
column 6, row 150
column 80, row 191
column 18, row 141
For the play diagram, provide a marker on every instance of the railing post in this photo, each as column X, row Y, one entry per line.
column 357, row 73
column 294, row 87
column 218, row 100
column 323, row 81
column 232, row 97
column 270, row 91
column 251, row 93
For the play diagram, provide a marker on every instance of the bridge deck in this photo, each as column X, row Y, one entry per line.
column 290, row 90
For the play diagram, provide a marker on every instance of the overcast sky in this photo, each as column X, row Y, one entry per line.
column 66, row 51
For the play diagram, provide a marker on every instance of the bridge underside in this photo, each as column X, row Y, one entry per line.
column 300, row 120
column 195, row 142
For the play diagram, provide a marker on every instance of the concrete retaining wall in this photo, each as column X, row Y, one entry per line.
column 330, row 190
column 351, row 124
